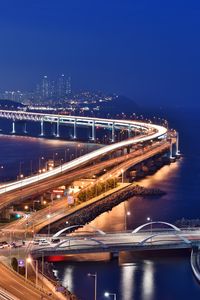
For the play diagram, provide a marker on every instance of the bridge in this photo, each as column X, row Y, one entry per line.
column 136, row 240
column 24, row 187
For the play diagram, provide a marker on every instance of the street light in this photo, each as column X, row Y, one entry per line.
column 1, row 167
column 95, row 283
column 35, row 201
column 150, row 220
column 122, row 171
column 126, row 214
column 107, row 295
column 48, row 217
column 77, row 147
column 29, row 260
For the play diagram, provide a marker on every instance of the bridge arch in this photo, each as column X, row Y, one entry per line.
column 156, row 222
column 101, row 232
column 59, row 245
column 157, row 234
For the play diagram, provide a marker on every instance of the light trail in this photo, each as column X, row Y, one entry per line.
column 153, row 132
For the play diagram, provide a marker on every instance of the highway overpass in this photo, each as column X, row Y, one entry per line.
column 149, row 132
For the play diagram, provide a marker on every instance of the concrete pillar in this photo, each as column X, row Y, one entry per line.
column 93, row 131
column 25, row 131
column 129, row 132
column 41, row 199
column 171, row 150
column 75, row 136
column 177, row 144
column 113, row 132
column 13, row 127
column 42, row 127
column 58, row 128
column 53, row 129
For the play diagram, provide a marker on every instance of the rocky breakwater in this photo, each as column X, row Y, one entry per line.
column 90, row 212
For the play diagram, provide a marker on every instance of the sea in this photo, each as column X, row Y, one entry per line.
column 158, row 277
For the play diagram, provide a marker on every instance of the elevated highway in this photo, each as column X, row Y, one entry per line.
column 149, row 132
column 118, row 163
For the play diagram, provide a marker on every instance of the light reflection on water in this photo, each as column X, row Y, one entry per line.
column 128, row 281
column 68, row 278
column 148, row 280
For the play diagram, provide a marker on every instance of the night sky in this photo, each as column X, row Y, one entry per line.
column 147, row 50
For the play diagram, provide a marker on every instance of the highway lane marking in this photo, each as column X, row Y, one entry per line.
column 24, row 286
column 12, row 287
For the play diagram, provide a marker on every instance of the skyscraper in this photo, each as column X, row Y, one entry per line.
column 68, row 86
column 45, row 87
column 63, row 86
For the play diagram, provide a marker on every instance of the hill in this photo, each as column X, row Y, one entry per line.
column 9, row 104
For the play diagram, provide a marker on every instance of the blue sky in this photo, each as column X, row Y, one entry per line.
column 147, row 50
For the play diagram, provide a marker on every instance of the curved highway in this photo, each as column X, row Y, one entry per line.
column 152, row 131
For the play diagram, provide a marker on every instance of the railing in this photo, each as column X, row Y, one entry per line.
column 5, row 295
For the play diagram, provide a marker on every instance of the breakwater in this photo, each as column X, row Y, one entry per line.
column 89, row 213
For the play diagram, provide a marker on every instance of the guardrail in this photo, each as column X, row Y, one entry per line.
column 5, row 295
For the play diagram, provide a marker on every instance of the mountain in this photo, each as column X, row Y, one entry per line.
column 120, row 104
column 9, row 104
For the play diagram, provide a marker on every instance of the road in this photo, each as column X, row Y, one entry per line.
column 58, row 210
column 18, row 287
column 152, row 132
column 133, row 158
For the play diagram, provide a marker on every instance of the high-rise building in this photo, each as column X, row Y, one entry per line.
column 45, row 87
column 52, row 89
column 68, row 86
column 61, row 92
column 63, row 86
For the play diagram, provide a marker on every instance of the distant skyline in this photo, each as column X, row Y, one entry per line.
column 146, row 50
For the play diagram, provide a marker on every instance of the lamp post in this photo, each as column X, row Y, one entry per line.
column 20, row 169
column 49, row 224
column 95, row 283
column 35, row 201
column 78, row 146
column 150, row 220
column 66, row 150
column 29, row 260
column 54, row 154
column 126, row 214
column 1, row 167
column 122, row 171
column 107, row 295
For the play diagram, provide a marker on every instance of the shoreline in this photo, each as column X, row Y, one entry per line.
column 105, row 204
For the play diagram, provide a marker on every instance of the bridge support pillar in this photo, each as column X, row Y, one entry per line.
column 25, row 130
column 42, row 127
column 113, row 132
column 13, row 127
column 172, row 158
column 75, row 136
column 177, row 144
column 53, row 130
column 93, row 131
column 129, row 132
column 58, row 128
